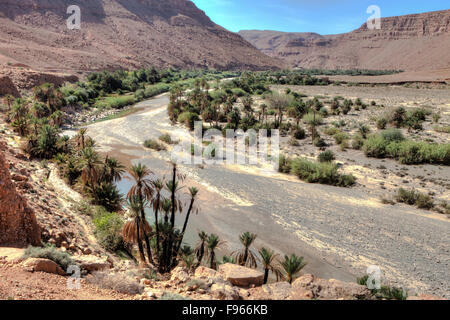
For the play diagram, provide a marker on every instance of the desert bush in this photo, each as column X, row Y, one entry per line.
column 188, row 118
column 293, row 142
column 319, row 142
column 115, row 281
column 63, row 259
column 391, row 293
column 323, row 173
column 173, row 296
column 436, row 117
column 382, row 123
column 153, row 144
column 116, row 102
column 340, row 137
column 413, row 197
column 391, row 135
column 326, row 156
column 445, row 129
column 108, row 229
column 357, row 142
column 331, row 131
column 284, row 164
column 299, row 134
column 166, row 138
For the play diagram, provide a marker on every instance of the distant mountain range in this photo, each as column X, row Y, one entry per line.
column 417, row 42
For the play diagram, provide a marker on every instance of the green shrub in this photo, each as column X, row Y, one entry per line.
column 357, row 142
column 63, row 259
column 326, row 156
column 116, row 102
column 392, row 135
column 293, row 142
column 153, row 144
column 166, row 138
column 108, row 229
column 173, row 296
column 323, row 173
column 382, row 123
column 445, row 129
column 413, row 197
column 189, row 119
column 319, row 142
column 299, row 134
column 340, row 137
column 284, row 164
column 116, row 281
column 391, row 293
column 332, row 131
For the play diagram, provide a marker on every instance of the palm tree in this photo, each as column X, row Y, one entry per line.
column 245, row 256
column 58, row 118
column 268, row 262
column 156, row 202
column 193, row 192
column 291, row 266
column 213, row 242
column 19, row 116
column 8, row 100
column 247, row 101
column 80, row 138
column 112, row 170
column 133, row 231
column 201, row 247
column 144, row 191
column 90, row 162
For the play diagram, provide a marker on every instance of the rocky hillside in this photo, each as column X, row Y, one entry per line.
column 18, row 225
column 415, row 42
column 119, row 33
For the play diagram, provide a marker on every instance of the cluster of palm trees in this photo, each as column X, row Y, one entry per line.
column 159, row 244
column 286, row 269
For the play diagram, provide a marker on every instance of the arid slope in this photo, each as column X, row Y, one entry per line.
column 120, row 33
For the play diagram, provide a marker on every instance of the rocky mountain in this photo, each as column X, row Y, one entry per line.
column 120, row 33
column 414, row 42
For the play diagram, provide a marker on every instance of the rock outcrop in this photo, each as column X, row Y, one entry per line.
column 309, row 287
column 241, row 276
column 120, row 34
column 42, row 265
column 18, row 225
column 417, row 42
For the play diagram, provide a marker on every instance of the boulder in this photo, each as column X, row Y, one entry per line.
column 92, row 263
column 310, row 287
column 224, row 292
column 180, row 274
column 203, row 272
column 241, row 276
column 42, row 265
column 272, row 291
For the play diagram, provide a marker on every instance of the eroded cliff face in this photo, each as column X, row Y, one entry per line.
column 419, row 42
column 18, row 225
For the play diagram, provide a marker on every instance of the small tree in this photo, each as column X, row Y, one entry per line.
column 292, row 266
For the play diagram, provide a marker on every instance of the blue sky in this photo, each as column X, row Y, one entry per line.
column 321, row 16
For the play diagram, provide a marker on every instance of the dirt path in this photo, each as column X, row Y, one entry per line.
column 17, row 284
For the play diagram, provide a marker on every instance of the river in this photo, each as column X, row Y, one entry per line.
column 339, row 231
